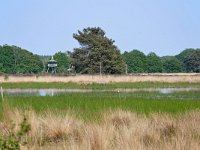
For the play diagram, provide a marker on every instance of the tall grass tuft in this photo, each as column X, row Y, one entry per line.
column 116, row 130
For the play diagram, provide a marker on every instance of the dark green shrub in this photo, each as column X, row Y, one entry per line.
column 12, row 140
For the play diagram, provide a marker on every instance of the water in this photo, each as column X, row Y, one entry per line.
column 167, row 91
column 54, row 92
column 33, row 92
column 41, row 92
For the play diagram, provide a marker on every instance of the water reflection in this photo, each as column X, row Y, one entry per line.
column 167, row 91
column 22, row 92
column 54, row 92
column 46, row 93
column 41, row 92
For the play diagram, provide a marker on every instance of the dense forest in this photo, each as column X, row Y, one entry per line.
column 97, row 54
column 14, row 60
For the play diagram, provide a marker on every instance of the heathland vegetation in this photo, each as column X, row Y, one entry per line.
column 105, row 116
column 116, row 130
column 102, row 120
column 97, row 53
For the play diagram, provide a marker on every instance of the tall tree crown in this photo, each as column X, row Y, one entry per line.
column 97, row 53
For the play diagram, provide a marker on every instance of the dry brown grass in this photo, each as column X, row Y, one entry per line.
column 116, row 131
column 171, row 78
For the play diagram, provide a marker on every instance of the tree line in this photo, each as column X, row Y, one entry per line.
column 187, row 61
column 97, row 54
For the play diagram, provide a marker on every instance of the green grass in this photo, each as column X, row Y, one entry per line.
column 71, row 85
column 90, row 105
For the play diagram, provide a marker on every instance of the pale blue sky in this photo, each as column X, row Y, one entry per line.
column 46, row 26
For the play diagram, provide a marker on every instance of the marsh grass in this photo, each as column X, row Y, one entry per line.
column 112, row 85
column 106, row 120
column 117, row 129
column 90, row 105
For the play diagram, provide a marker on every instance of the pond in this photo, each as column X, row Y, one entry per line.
column 54, row 92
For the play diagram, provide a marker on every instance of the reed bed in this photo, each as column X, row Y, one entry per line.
column 116, row 130
column 170, row 78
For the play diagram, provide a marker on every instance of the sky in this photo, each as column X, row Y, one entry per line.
column 45, row 27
